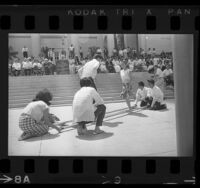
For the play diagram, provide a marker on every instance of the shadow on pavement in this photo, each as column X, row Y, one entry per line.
column 127, row 114
column 164, row 110
column 92, row 136
column 112, row 124
column 45, row 137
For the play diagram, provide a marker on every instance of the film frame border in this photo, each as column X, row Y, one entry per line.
column 142, row 168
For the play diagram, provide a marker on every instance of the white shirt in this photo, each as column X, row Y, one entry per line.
column 159, row 73
column 121, row 52
column 157, row 94
column 131, row 64
column 83, row 107
column 125, row 77
column 167, row 72
column 37, row 64
column 25, row 64
column 142, row 94
column 155, row 61
column 29, row 65
column 36, row 110
column 16, row 66
column 24, row 49
column 90, row 69
column 135, row 62
column 71, row 48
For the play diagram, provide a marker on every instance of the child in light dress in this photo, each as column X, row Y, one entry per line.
column 126, row 79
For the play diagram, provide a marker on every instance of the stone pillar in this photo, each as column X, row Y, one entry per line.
column 183, row 77
column 131, row 40
column 111, row 43
column 35, row 42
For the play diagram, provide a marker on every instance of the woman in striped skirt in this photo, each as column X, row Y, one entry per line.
column 35, row 119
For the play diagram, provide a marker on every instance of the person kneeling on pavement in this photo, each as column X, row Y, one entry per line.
column 36, row 120
column 155, row 101
column 88, row 107
column 142, row 95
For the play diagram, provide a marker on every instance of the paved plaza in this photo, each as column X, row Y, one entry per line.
column 141, row 132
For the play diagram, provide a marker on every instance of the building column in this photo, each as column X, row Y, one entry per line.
column 111, row 43
column 183, row 77
column 131, row 40
column 35, row 42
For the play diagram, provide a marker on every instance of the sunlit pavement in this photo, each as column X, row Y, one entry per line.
column 139, row 133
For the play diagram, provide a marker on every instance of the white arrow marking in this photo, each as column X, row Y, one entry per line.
column 6, row 179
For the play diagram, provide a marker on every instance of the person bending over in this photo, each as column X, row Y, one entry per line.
column 35, row 119
column 156, row 99
column 90, row 68
column 142, row 95
column 87, row 107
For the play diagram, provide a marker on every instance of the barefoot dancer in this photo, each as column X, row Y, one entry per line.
column 125, row 75
column 88, row 106
column 35, row 119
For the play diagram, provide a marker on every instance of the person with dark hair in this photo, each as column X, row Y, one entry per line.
column 142, row 94
column 90, row 68
column 156, row 99
column 71, row 51
column 81, row 52
column 168, row 76
column 25, row 52
column 87, row 107
column 35, row 119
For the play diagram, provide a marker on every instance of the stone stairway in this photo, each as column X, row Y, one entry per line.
column 63, row 87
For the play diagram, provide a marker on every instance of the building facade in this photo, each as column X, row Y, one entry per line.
column 59, row 42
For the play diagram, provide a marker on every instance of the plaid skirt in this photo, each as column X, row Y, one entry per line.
column 29, row 126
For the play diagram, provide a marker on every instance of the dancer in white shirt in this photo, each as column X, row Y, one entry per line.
column 90, row 69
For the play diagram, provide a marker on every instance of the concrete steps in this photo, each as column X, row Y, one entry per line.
column 23, row 89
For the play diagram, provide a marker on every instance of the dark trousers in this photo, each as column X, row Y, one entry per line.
column 17, row 72
column 169, row 80
column 143, row 103
column 27, row 72
column 25, row 54
column 81, row 55
column 99, row 116
column 157, row 105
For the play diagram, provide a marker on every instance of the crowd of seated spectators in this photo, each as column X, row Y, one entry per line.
column 138, row 62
